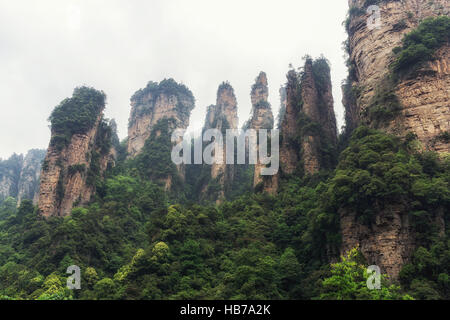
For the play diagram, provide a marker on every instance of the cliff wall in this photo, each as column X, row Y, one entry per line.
column 423, row 97
column 417, row 103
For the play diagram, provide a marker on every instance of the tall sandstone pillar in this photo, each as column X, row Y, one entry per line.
column 317, row 99
column 155, row 102
column 149, row 107
column 78, row 154
column 308, row 104
column 222, row 116
column 262, row 117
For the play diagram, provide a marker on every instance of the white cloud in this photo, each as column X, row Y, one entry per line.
column 48, row 47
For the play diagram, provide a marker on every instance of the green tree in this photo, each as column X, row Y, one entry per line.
column 348, row 281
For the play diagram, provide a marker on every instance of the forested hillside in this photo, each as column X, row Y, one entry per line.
column 132, row 243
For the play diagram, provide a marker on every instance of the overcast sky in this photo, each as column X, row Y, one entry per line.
column 48, row 47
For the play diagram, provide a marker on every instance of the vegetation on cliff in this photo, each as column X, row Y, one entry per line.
column 349, row 279
column 378, row 169
column 384, row 105
column 224, row 86
column 146, row 98
column 76, row 115
column 167, row 86
column 154, row 162
column 419, row 45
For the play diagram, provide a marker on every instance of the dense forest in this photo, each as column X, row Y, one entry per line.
column 135, row 240
column 132, row 243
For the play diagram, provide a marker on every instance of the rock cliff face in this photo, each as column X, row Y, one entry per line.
column 28, row 186
column 167, row 99
column 262, row 116
column 157, row 111
column 424, row 110
column 308, row 123
column 70, row 170
column 426, row 103
column 222, row 116
column 317, row 97
column 9, row 176
column 19, row 176
column 388, row 243
column 424, row 98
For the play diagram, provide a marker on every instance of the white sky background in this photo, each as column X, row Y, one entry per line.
column 48, row 47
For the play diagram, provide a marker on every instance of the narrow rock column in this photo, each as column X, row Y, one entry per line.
column 262, row 117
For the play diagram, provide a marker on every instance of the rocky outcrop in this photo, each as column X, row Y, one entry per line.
column 426, row 103
column 388, row 243
column 19, row 176
column 10, row 170
column 28, row 186
column 289, row 148
column 221, row 116
column 424, row 98
column 167, row 99
column 262, row 117
column 157, row 111
column 308, row 123
column 317, row 98
column 424, row 109
column 70, row 170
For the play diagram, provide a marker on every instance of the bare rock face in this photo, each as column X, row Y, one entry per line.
column 222, row 116
column 10, row 170
column 317, row 97
column 262, row 116
column 167, row 99
column 19, row 176
column 426, row 103
column 424, row 98
column 388, row 243
column 425, row 111
column 289, row 150
column 28, row 186
column 70, row 170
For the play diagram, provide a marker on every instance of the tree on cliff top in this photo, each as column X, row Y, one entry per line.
column 349, row 282
column 76, row 115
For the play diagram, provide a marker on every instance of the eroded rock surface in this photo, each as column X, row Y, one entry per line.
column 262, row 117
